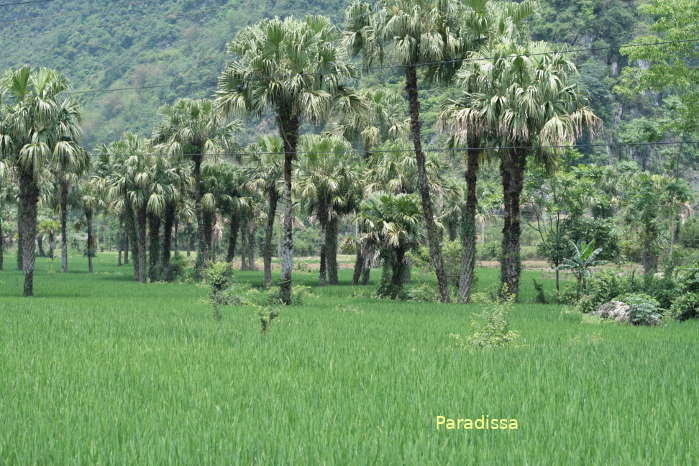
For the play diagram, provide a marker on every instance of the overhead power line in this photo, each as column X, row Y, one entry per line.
column 397, row 66
column 26, row 3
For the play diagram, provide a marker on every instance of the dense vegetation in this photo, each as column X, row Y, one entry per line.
column 391, row 144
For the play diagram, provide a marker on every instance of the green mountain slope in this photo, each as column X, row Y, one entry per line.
column 176, row 48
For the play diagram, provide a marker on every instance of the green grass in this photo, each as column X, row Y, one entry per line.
column 98, row 369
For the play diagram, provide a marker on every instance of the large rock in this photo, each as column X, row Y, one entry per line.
column 614, row 310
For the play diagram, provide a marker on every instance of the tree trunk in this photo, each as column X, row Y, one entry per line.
column 141, row 221
column 154, row 253
column 251, row 230
column 2, row 247
column 40, row 244
column 512, row 166
column 433, row 234
column 91, row 247
column 168, row 226
column 358, row 265
column 244, row 244
column 232, row 236
column 29, row 198
column 20, row 256
column 63, row 201
column 269, row 232
column 289, row 130
column 52, row 245
column 331, row 249
column 204, row 234
column 368, row 259
column 398, row 274
column 468, row 260
column 650, row 257
column 126, row 249
column 132, row 236
column 323, row 220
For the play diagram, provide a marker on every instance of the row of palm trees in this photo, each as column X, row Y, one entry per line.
column 519, row 100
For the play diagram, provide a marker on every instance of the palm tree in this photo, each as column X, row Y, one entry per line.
column 293, row 68
column 35, row 132
column 324, row 178
column 193, row 129
column 265, row 169
column 67, row 168
column 92, row 200
column 423, row 33
column 392, row 223
column 523, row 99
column 8, row 196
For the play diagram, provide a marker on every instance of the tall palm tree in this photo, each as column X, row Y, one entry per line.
column 67, row 168
column 433, row 35
column 525, row 100
column 193, row 129
column 35, row 133
column 502, row 21
column 323, row 175
column 265, row 168
column 295, row 69
column 92, row 200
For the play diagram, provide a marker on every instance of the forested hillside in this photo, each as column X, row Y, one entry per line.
column 176, row 48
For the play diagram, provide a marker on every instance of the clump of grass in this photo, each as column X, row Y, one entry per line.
column 266, row 318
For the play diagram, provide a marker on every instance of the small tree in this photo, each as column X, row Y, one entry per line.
column 392, row 222
column 582, row 263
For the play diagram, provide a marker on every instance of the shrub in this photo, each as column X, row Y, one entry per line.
column 452, row 252
column 219, row 276
column 644, row 309
column 243, row 294
column 422, row 293
column 685, row 307
column 601, row 288
column 491, row 328
column 299, row 294
column 180, row 268
column 540, row 293
column 689, row 233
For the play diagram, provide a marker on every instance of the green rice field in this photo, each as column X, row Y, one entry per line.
column 100, row 370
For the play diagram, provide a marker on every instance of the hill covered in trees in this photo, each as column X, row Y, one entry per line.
column 176, row 48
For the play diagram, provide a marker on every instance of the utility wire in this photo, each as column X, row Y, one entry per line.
column 394, row 66
column 26, row 3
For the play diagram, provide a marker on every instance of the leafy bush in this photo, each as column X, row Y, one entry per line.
column 219, row 276
column 685, row 307
column 452, row 252
column 491, row 328
column 644, row 309
column 299, row 294
column 689, row 233
column 243, row 294
column 540, row 293
column 180, row 268
column 422, row 293
column 601, row 288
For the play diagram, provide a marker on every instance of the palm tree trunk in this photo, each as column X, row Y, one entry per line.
column 358, row 265
column 206, row 234
column 512, row 168
column 40, row 244
column 126, row 249
column 20, row 256
column 433, row 235
column 63, row 201
column 398, row 274
column 234, row 226
column 175, row 238
column 368, row 259
column 154, row 253
column 141, row 221
column 132, row 235
column 269, row 232
column 168, row 226
column 244, row 243
column 331, row 249
column 2, row 246
column 28, row 198
column 52, row 245
column 91, row 248
column 251, row 230
column 203, row 233
column 468, row 260
column 289, row 130
column 323, row 220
